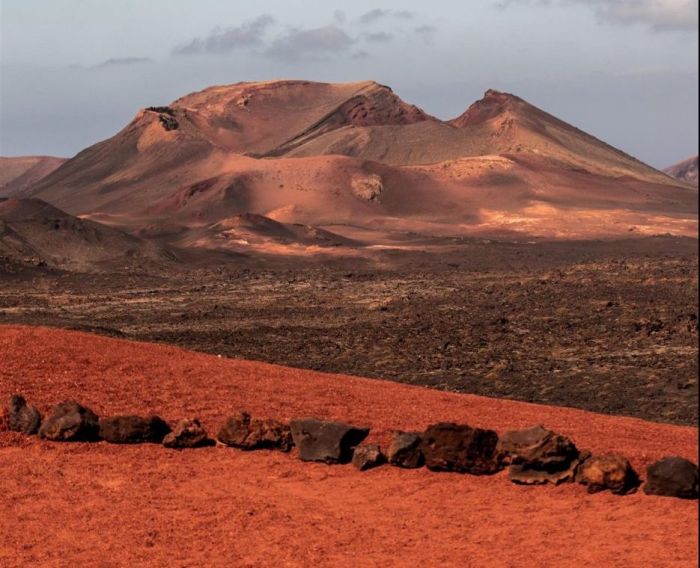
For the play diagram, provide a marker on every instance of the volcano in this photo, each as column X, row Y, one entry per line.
column 341, row 156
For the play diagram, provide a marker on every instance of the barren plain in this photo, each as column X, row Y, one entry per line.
column 606, row 326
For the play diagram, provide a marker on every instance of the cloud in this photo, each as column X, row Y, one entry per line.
column 249, row 34
column 378, row 14
column 426, row 32
column 379, row 37
column 299, row 44
column 124, row 61
column 360, row 55
column 660, row 15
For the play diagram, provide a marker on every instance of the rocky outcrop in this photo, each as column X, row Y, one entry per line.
column 133, row 429
column 460, row 448
column 245, row 433
column 368, row 187
column 672, row 477
column 611, row 472
column 22, row 417
column 405, row 450
column 71, row 422
column 326, row 441
column 188, row 433
column 367, row 456
column 537, row 455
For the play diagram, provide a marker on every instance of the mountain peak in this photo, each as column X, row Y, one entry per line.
column 492, row 104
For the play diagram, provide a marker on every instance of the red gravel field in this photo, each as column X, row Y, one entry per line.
column 79, row 504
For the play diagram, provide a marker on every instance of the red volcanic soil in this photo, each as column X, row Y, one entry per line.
column 106, row 505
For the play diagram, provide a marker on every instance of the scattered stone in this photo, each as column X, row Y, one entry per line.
column 326, row 441
column 71, row 422
column 133, row 429
column 22, row 417
column 188, row 433
column 460, row 448
column 608, row 471
column 537, row 456
column 367, row 456
column 240, row 431
column 404, row 450
column 672, row 477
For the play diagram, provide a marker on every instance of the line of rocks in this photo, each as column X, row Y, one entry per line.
column 532, row 456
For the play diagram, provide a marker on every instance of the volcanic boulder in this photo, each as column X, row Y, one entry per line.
column 71, row 422
column 608, row 471
column 367, row 456
column 240, row 431
column 405, row 450
column 538, row 455
column 133, row 429
column 188, row 433
column 672, row 477
column 447, row 446
column 22, row 417
column 326, row 441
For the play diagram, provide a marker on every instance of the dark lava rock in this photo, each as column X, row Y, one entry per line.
column 404, row 450
column 672, row 477
column 538, row 455
column 240, row 431
column 326, row 441
column 71, row 422
column 133, row 429
column 367, row 456
column 608, row 471
column 22, row 417
column 457, row 447
column 168, row 122
column 188, row 433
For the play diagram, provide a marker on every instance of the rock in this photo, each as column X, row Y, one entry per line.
column 240, row 431
column 537, row 447
column 22, row 417
column 460, row 448
column 524, row 475
column 608, row 471
column 326, row 441
column 404, row 450
column 71, row 422
column 672, row 477
column 367, row 456
column 367, row 187
column 188, row 433
column 537, row 456
column 133, row 429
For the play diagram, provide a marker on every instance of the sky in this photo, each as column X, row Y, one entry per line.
column 74, row 72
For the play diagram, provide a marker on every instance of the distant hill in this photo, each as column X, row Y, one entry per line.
column 687, row 170
column 34, row 231
column 18, row 174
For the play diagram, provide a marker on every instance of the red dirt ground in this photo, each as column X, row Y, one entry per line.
column 105, row 505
